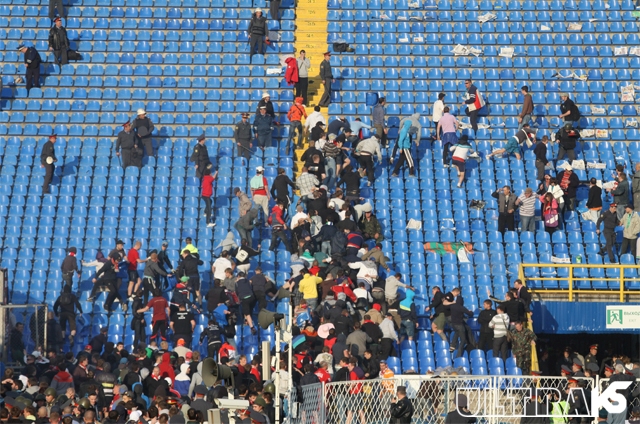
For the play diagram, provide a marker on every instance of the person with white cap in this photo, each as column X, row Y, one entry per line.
column 32, row 62
column 200, row 157
column 47, row 160
column 266, row 101
column 59, row 42
column 262, row 127
column 260, row 190
column 258, row 32
column 125, row 144
column 143, row 128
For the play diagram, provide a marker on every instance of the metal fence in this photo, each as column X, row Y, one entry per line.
column 495, row 399
column 32, row 334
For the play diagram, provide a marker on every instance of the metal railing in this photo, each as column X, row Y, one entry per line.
column 573, row 280
column 495, row 399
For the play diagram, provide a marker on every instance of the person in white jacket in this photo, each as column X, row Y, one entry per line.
column 460, row 153
column 365, row 151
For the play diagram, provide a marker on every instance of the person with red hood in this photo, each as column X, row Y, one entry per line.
column 291, row 74
column 166, row 370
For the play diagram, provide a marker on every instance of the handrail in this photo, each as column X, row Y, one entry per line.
column 572, row 290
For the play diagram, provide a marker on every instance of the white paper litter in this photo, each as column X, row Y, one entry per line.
column 564, row 165
column 403, row 18
column 627, row 93
column 545, row 28
column 414, row 224
column 587, row 133
column 274, row 71
column 631, row 123
column 621, row 51
column 460, row 50
column 556, row 260
column 575, row 27
column 596, row 165
column 592, row 20
column 570, row 75
column 578, row 164
column 414, row 5
column 486, row 17
column 609, row 185
column 418, row 39
column 403, row 40
column 506, row 52
column 595, row 110
column 602, row 133
column 634, row 51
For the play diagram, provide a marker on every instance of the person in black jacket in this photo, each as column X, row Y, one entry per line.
column 189, row 267
column 143, row 128
column 569, row 182
column 280, row 188
column 163, row 260
column 569, row 111
column 214, row 338
column 513, row 308
column 541, row 157
column 65, row 307
column 486, row 332
column 610, row 219
column 105, row 280
column 70, row 266
column 47, row 160
column 458, row 313
column 401, row 407
column 594, row 201
column 138, row 324
column 523, row 295
column 438, row 318
column 59, row 42
column 32, row 61
column 460, row 415
column 258, row 32
column 326, row 75
column 567, row 139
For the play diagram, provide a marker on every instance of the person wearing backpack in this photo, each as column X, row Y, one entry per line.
column 260, row 190
column 569, row 111
column 65, row 307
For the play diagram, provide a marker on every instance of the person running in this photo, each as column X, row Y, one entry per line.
column 160, row 317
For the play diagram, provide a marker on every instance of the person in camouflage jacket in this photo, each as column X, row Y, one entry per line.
column 523, row 340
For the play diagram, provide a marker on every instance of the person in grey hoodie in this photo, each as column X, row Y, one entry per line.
column 621, row 194
column 229, row 243
column 365, row 151
column 244, row 202
column 245, row 225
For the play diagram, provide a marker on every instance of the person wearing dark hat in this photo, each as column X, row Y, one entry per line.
column 461, row 413
column 610, row 220
column 576, row 368
column 280, row 188
column 59, row 42
column 200, row 157
column 577, row 401
column 125, row 144
column 263, row 127
column 242, row 136
column 401, row 407
column 70, row 266
column 66, row 306
column 47, row 159
column 326, row 75
column 592, row 356
column 565, row 371
column 567, row 139
column 199, row 403
column 143, row 128
column 259, row 34
column 317, row 132
column 32, row 61
column 603, row 416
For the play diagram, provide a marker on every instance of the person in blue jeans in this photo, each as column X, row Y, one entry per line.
column 527, row 205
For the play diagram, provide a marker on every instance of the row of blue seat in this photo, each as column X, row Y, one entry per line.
column 484, row 5
column 444, row 38
column 200, row 4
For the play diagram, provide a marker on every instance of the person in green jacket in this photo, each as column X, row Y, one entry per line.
column 370, row 227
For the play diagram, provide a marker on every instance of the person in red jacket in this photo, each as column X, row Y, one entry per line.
column 278, row 227
column 207, row 192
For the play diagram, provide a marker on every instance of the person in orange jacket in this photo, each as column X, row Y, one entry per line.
column 296, row 112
